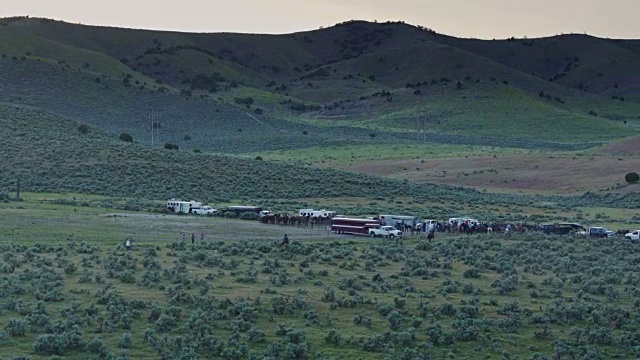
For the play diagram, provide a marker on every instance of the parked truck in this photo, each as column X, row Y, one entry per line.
column 633, row 236
column 385, row 231
column 204, row 210
column 356, row 226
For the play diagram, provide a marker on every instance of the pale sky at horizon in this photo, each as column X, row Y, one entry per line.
column 484, row 19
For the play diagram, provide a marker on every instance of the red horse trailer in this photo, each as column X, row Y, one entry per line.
column 342, row 225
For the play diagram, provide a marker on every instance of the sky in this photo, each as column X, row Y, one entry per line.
column 483, row 19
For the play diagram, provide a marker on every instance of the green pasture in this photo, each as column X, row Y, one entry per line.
column 341, row 155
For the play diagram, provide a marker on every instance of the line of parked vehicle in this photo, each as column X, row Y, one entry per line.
column 594, row 231
column 393, row 226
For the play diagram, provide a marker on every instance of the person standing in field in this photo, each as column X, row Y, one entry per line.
column 193, row 238
column 285, row 240
column 127, row 244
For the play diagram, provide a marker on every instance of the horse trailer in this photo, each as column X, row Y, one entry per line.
column 317, row 213
column 354, row 226
column 184, row 207
column 393, row 220
column 238, row 209
column 459, row 221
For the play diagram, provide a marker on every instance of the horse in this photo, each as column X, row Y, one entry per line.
column 431, row 236
column 282, row 219
column 268, row 219
column 303, row 220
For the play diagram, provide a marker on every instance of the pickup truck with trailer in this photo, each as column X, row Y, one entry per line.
column 385, row 231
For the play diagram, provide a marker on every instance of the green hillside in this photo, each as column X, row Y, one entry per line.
column 49, row 154
column 344, row 84
column 355, row 84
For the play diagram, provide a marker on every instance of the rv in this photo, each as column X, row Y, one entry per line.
column 184, row 207
column 355, row 226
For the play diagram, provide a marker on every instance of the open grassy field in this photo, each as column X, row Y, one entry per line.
column 69, row 288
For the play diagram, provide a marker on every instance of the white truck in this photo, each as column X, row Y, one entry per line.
column 634, row 235
column 385, row 231
column 204, row 210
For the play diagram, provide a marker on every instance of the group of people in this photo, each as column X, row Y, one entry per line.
column 283, row 242
column 193, row 237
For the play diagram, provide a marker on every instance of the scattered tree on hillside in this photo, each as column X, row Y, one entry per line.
column 244, row 101
column 171, row 146
column 83, row 128
column 632, row 177
column 126, row 137
column 204, row 82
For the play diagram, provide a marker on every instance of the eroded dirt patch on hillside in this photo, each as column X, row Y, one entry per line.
column 626, row 147
column 534, row 173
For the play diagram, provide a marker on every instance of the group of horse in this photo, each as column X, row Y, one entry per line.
column 294, row 220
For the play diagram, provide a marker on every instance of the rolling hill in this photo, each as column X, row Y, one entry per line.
column 356, row 82
column 351, row 86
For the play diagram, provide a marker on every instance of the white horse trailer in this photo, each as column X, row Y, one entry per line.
column 185, row 207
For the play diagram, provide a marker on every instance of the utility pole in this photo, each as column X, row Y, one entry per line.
column 421, row 127
column 154, row 117
column 18, row 188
